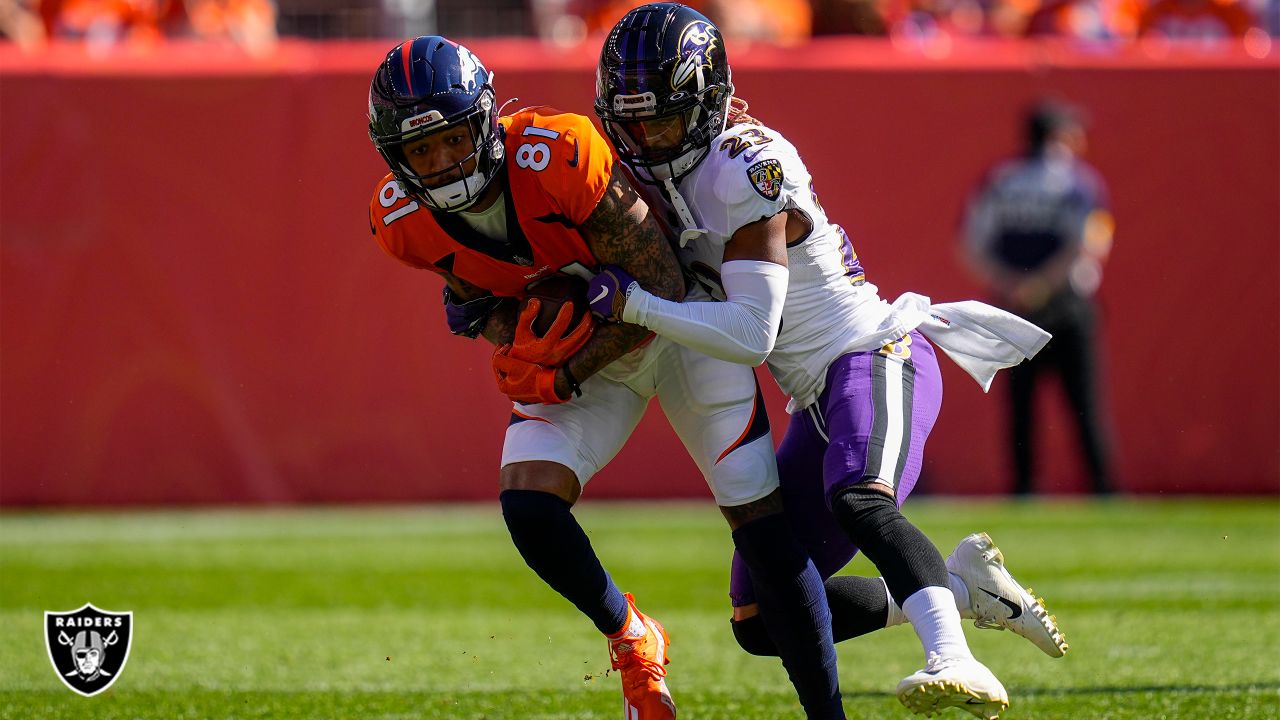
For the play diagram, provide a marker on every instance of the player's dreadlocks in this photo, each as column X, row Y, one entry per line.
column 738, row 113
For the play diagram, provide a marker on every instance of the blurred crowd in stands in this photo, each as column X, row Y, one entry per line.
column 257, row 23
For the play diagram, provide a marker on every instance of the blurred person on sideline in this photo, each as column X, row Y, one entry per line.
column 932, row 20
column 498, row 204
column 21, row 24
column 864, row 382
column 847, row 17
column 784, row 22
column 1090, row 20
column 249, row 23
column 1037, row 232
column 1196, row 19
column 101, row 23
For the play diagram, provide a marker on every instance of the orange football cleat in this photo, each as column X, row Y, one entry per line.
column 639, row 651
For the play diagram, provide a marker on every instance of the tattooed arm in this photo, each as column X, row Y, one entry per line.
column 500, row 325
column 621, row 231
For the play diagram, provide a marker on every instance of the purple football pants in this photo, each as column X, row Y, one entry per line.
column 871, row 421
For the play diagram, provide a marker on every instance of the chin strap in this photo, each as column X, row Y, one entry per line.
column 691, row 231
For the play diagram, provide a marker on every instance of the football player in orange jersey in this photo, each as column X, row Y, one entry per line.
column 496, row 205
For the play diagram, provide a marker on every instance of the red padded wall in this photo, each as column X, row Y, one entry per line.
column 193, row 309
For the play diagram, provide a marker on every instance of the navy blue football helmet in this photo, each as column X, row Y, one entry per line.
column 423, row 86
column 662, row 89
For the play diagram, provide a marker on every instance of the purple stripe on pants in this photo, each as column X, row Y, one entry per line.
column 813, row 469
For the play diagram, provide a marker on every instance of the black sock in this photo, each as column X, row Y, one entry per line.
column 903, row 555
column 553, row 544
column 753, row 637
column 793, row 608
column 858, row 606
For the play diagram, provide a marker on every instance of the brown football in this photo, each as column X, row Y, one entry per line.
column 554, row 292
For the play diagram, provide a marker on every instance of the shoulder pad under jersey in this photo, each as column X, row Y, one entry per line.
column 751, row 171
column 564, row 154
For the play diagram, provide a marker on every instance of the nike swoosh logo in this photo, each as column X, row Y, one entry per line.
column 604, row 292
column 1015, row 611
column 752, row 156
column 574, row 161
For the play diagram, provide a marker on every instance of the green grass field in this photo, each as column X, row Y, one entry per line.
column 1172, row 610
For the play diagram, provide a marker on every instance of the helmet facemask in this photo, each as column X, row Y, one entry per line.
column 663, row 86
column 667, row 142
column 432, row 85
column 453, row 188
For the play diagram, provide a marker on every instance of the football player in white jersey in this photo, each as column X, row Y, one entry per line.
column 864, row 382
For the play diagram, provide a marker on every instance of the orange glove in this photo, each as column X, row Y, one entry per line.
column 554, row 347
column 523, row 381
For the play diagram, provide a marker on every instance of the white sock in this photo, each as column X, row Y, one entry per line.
column 933, row 615
column 635, row 627
column 895, row 616
column 958, row 589
column 961, row 591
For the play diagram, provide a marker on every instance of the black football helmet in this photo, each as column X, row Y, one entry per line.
column 662, row 89
column 425, row 85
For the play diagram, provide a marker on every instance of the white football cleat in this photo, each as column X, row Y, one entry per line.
column 998, row 601
column 962, row 683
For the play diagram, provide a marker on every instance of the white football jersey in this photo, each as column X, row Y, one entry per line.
column 752, row 173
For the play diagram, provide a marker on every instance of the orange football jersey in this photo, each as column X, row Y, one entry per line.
column 557, row 169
